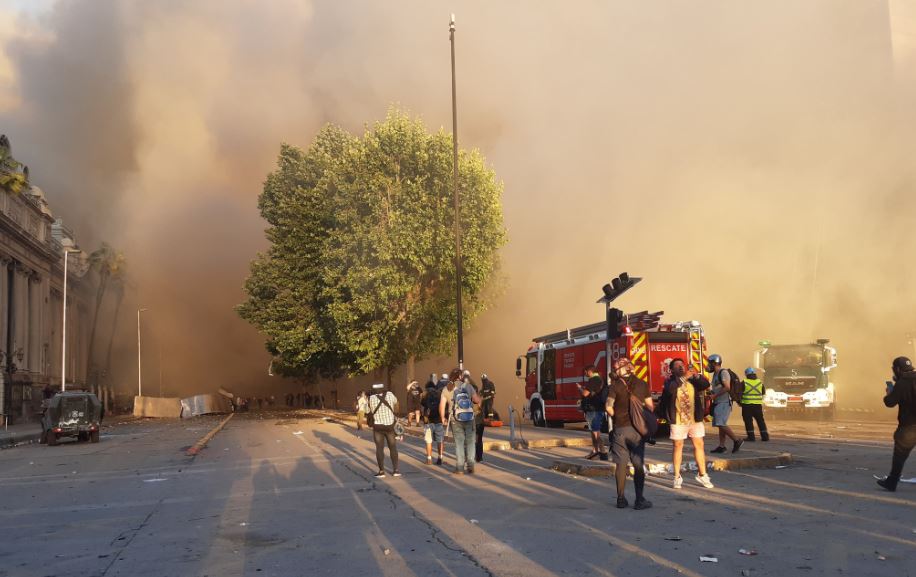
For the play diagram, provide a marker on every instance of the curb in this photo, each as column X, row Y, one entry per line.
column 196, row 448
column 608, row 469
column 12, row 439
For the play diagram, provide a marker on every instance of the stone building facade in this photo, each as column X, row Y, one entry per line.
column 32, row 247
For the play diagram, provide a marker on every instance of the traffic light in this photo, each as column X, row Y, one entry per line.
column 617, row 287
column 616, row 322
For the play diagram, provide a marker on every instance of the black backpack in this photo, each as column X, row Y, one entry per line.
column 736, row 386
column 431, row 402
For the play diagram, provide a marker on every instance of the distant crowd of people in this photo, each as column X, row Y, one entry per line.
column 452, row 403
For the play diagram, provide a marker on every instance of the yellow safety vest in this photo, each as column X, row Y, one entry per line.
column 753, row 392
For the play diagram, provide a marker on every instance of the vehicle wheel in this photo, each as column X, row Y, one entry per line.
column 94, row 437
column 52, row 438
column 43, row 438
column 537, row 415
column 496, row 416
column 830, row 413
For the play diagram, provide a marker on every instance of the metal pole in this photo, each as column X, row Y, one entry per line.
column 451, row 29
column 139, row 370
column 63, row 346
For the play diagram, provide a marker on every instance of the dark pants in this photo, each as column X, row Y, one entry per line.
column 629, row 446
column 381, row 437
column 751, row 413
column 904, row 441
column 478, row 444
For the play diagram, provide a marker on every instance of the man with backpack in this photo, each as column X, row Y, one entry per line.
column 594, row 396
column 382, row 416
column 726, row 386
column 627, row 444
column 434, row 431
column 459, row 406
column 752, row 405
column 683, row 407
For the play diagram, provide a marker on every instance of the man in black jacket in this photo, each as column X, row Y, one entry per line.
column 682, row 405
column 902, row 394
column 627, row 444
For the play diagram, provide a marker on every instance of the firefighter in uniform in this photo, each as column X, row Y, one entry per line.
column 752, row 405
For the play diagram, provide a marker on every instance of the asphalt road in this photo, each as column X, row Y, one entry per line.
column 274, row 494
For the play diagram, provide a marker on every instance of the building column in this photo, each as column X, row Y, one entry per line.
column 20, row 317
column 4, row 324
column 34, row 338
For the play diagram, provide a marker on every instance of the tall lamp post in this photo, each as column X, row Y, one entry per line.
column 139, row 368
column 451, row 32
column 63, row 346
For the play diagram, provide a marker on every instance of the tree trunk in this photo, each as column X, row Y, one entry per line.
column 114, row 327
column 92, row 369
column 411, row 368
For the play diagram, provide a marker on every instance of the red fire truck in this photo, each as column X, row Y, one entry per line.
column 555, row 363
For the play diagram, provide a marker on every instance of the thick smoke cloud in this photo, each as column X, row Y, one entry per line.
column 750, row 161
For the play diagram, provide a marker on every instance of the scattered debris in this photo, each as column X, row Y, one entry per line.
column 673, row 539
column 298, row 433
column 708, row 559
column 781, row 467
column 243, row 524
column 527, row 478
column 747, row 552
column 387, row 551
column 475, row 521
column 745, row 573
column 156, row 480
column 911, row 480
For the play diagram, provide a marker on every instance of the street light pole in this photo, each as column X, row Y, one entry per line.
column 451, row 31
column 139, row 369
column 63, row 345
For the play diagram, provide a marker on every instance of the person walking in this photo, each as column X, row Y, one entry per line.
column 752, row 405
column 383, row 408
column 487, row 396
column 901, row 393
column 434, row 432
column 682, row 405
column 362, row 406
column 413, row 403
column 459, row 406
column 594, row 397
column 627, row 445
column 722, row 404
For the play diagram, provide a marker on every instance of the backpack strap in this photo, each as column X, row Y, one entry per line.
column 381, row 401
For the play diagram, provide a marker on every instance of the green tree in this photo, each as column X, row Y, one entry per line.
column 360, row 273
column 14, row 177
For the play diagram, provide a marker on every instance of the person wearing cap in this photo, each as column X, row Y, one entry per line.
column 901, row 393
column 722, row 404
column 383, row 408
column 627, row 445
column 752, row 405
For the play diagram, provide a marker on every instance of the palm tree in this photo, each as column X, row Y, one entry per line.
column 14, row 177
column 118, row 282
column 108, row 263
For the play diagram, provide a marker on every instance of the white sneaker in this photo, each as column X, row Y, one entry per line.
column 704, row 480
column 678, row 482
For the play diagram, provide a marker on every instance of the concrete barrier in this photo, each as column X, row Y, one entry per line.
column 161, row 407
column 606, row 469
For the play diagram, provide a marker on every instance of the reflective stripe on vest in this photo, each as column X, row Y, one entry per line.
column 753, row 392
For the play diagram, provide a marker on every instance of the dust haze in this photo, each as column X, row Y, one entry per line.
column 751, row 161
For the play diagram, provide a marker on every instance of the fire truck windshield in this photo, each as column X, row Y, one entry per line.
column 793, row 356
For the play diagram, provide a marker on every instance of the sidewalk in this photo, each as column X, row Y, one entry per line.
column 30, row 432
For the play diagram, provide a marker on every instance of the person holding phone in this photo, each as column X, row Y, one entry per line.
column 901, row 393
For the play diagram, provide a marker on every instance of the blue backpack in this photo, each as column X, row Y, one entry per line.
column 463, row 405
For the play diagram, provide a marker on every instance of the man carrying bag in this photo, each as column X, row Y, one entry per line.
column 630, row 406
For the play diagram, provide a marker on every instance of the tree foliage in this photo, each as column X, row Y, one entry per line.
column 360, row 272
column 14, row 176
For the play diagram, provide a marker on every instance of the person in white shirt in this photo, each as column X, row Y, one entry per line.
column 383, row 407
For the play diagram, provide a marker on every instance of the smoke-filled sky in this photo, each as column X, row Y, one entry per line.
column 752, row 161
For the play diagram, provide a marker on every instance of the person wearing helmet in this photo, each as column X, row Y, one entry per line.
column 752, row 405
column 722, row 404
column 901, row 393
